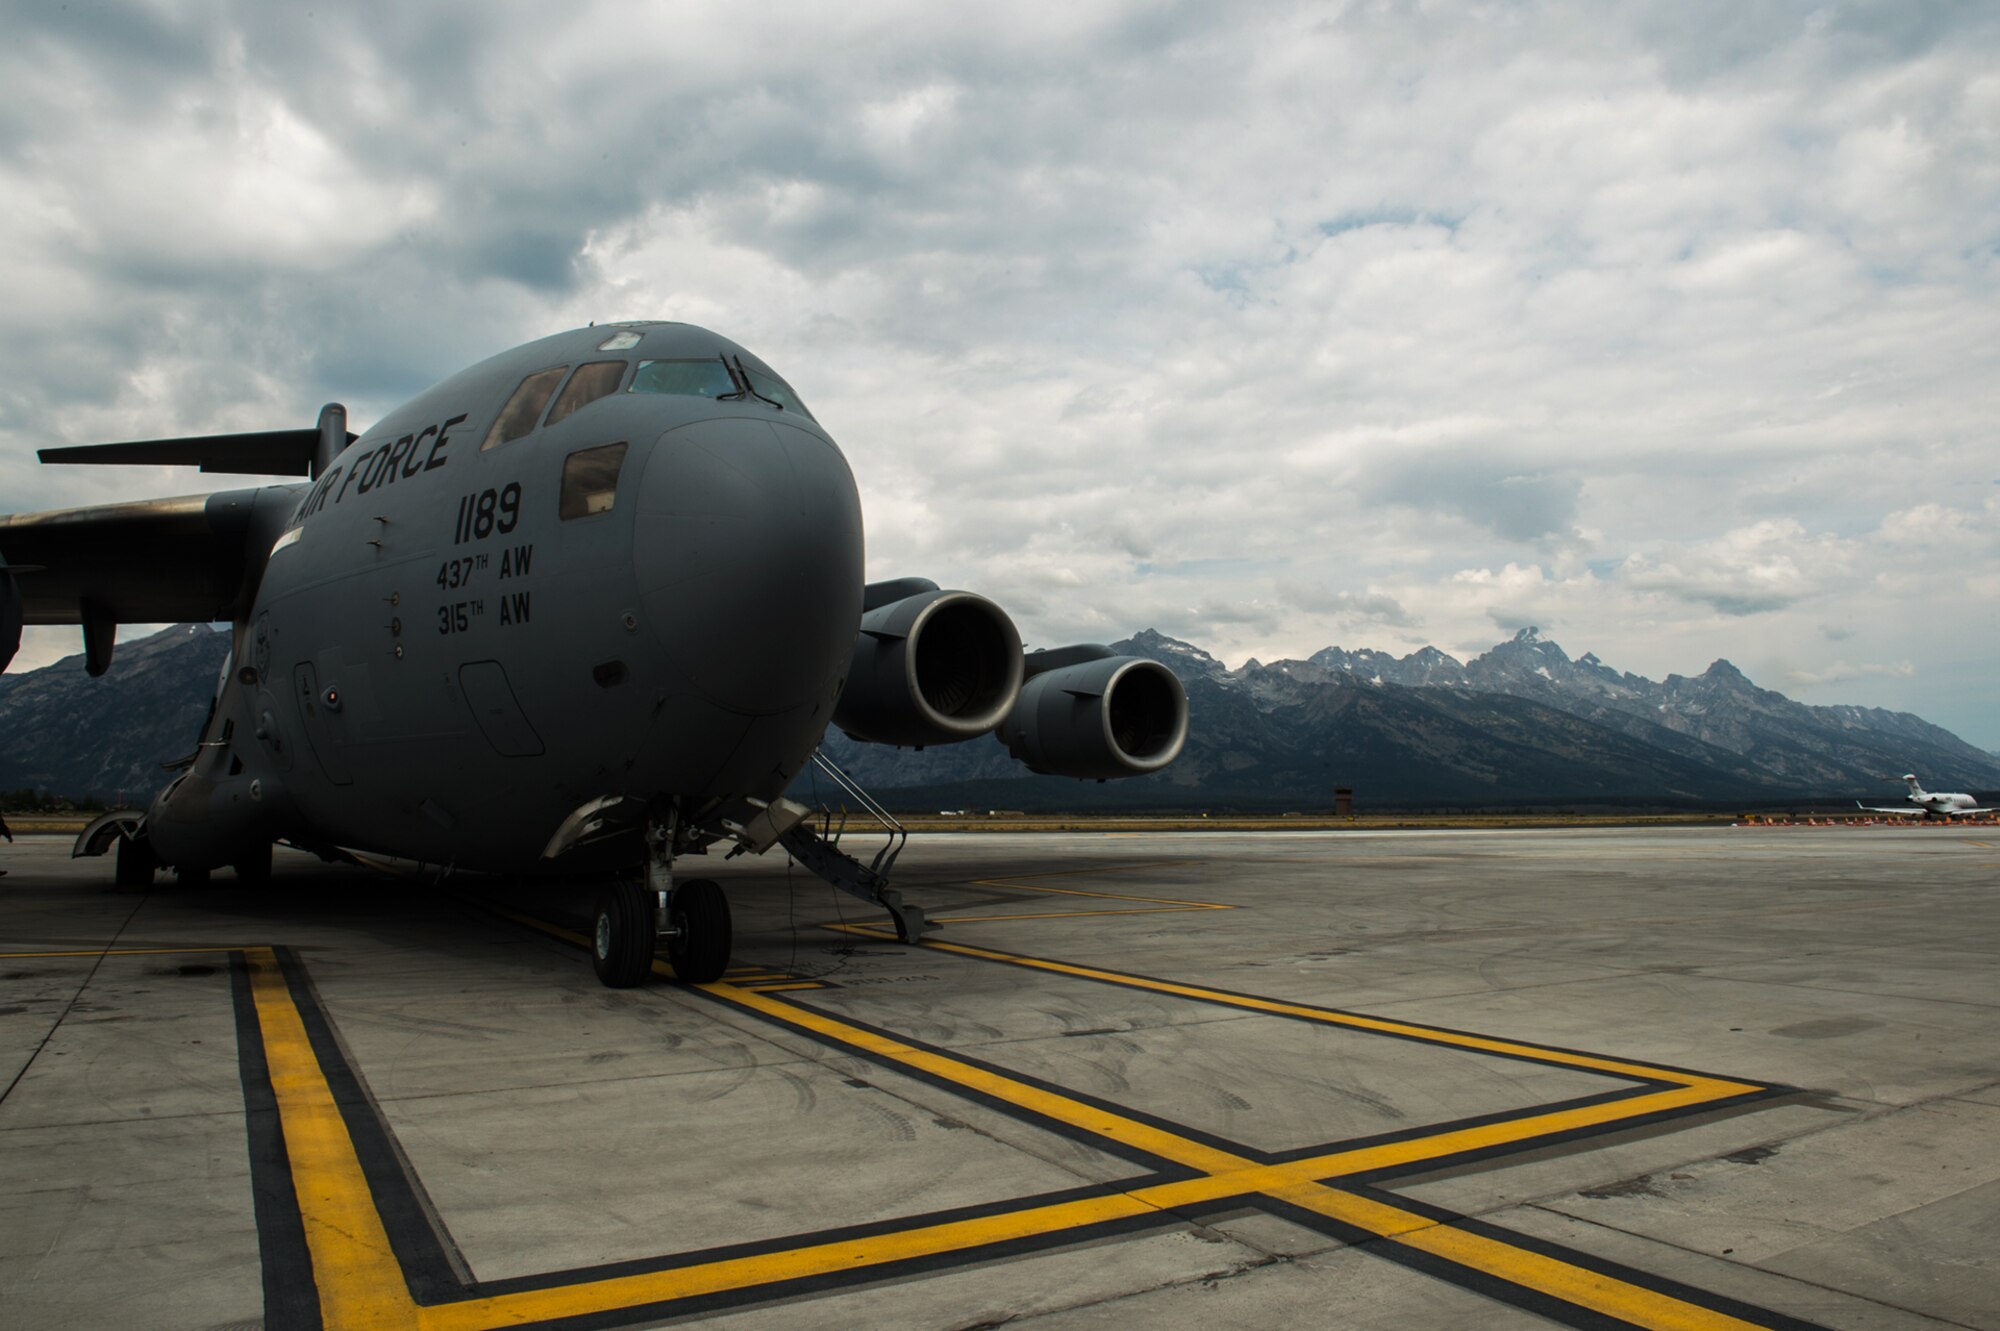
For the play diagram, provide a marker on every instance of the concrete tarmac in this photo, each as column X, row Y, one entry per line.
column 1701, row 1077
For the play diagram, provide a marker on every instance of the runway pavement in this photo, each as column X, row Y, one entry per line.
column 1699, row 1077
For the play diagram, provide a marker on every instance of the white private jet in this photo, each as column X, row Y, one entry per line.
column 1930, row 803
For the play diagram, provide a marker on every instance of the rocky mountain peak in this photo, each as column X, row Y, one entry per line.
column 1520, row 722
column 1529, row 643
column 72, row 734
column 1183, row 658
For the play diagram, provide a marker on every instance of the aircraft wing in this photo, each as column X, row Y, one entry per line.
column 1907, row 811
column 262, row 453
column 155, row 561
column 152, row 561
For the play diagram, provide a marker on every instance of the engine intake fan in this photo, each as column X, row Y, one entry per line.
column 930, row 666
column 1088, row 714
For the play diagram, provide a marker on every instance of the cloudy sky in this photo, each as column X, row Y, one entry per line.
column 1673, row 329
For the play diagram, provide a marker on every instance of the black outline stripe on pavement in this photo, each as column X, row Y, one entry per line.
column 291, row 1295
column 419, row 1249
column 400, row 1200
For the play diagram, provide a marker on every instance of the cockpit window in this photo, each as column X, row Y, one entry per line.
column 589, row 383
column 590, row 481
column 773, row 390
column 523, row 409
column 685, row 378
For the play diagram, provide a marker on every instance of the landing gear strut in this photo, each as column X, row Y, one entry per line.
column 136, row 863
column 633, row 919
column 254, row 869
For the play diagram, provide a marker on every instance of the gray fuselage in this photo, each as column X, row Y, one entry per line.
column 455, row 646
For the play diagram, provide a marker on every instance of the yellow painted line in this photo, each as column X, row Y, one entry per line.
column 1176, row 902
column 1226, row 1174
column 1572, row 1284
column 1351, row 1020
column 763, row 988
column 749, row 1272
column 1429, row 1034
column 544, row 927
column 1220, row 1175
column 360, row 1282
column 877, row 931
column 1101, row 868
column 1514, row 1131
column 1632, row 1303
column 1223, row 1175
column 1694, row 1090
column 1064, row 914
column 118, row 952
column 1089, row 1118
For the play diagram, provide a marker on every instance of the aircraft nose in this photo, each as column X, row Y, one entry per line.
column 749, row 555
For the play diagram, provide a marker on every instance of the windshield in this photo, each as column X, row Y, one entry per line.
column 589, row 383
column 684, row 378
column 523, row 409
column 774, row 390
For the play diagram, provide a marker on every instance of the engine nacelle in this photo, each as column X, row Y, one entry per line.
column 1085, row 713
column 930, row 667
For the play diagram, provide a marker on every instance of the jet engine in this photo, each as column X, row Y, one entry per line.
column 1086, row 713
column 930, row 666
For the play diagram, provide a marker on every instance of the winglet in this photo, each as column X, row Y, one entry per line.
column 331, row 437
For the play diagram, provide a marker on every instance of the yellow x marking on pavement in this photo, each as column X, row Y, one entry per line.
column 361, row 1282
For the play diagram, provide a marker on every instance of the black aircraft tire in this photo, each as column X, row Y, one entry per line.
column 136, row 865
column 622, row 936
column 699, row 945
column 191, row 877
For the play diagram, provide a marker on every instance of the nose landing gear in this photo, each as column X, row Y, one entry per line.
column 622, row 937
column 633, row 919
column 698, row 931
column 625, row 934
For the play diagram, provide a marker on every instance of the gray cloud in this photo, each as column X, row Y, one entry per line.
column 1840, row 672
column 1369, row 318
column 1348, row 608
column 1515, row 506
column 1510, row 622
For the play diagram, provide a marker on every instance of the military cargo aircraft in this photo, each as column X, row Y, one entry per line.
column 581, row 610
